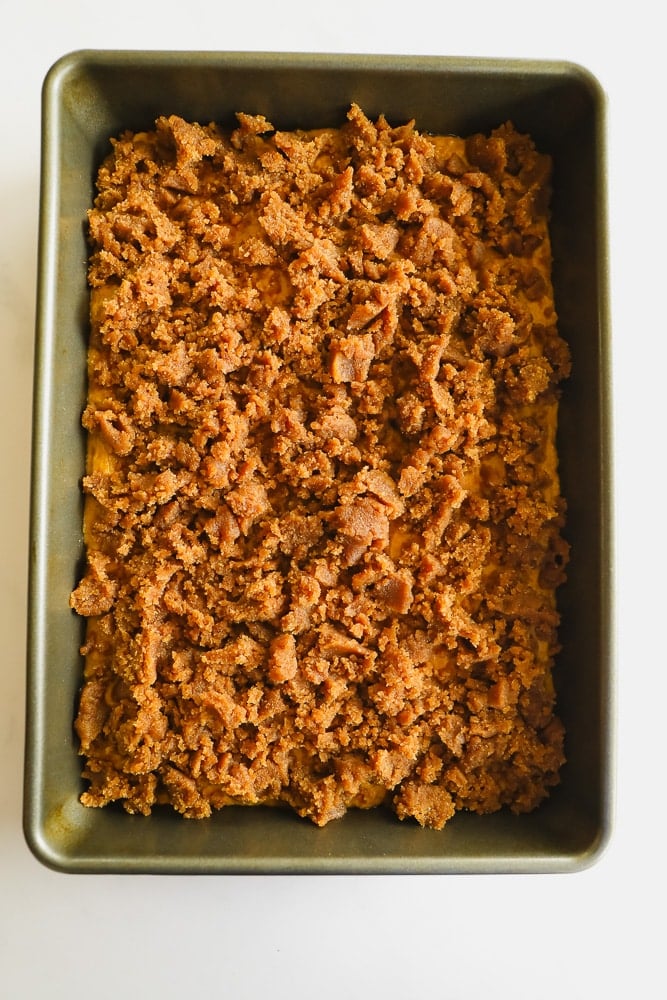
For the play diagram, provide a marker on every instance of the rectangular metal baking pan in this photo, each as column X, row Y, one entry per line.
column 87, row 98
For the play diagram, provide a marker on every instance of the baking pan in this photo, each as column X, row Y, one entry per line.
column 87, row 98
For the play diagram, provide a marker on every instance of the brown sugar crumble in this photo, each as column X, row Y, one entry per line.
column 323, row 520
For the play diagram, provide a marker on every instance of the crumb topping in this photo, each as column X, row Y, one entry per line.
column 323, row 521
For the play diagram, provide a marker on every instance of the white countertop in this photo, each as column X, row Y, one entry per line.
column 586, row 935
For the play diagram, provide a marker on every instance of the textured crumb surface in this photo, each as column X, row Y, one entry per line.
column 323, row 521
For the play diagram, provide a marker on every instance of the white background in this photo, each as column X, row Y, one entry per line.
column 595, row 934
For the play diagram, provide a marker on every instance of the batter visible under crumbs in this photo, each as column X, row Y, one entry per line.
column 323, row 520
